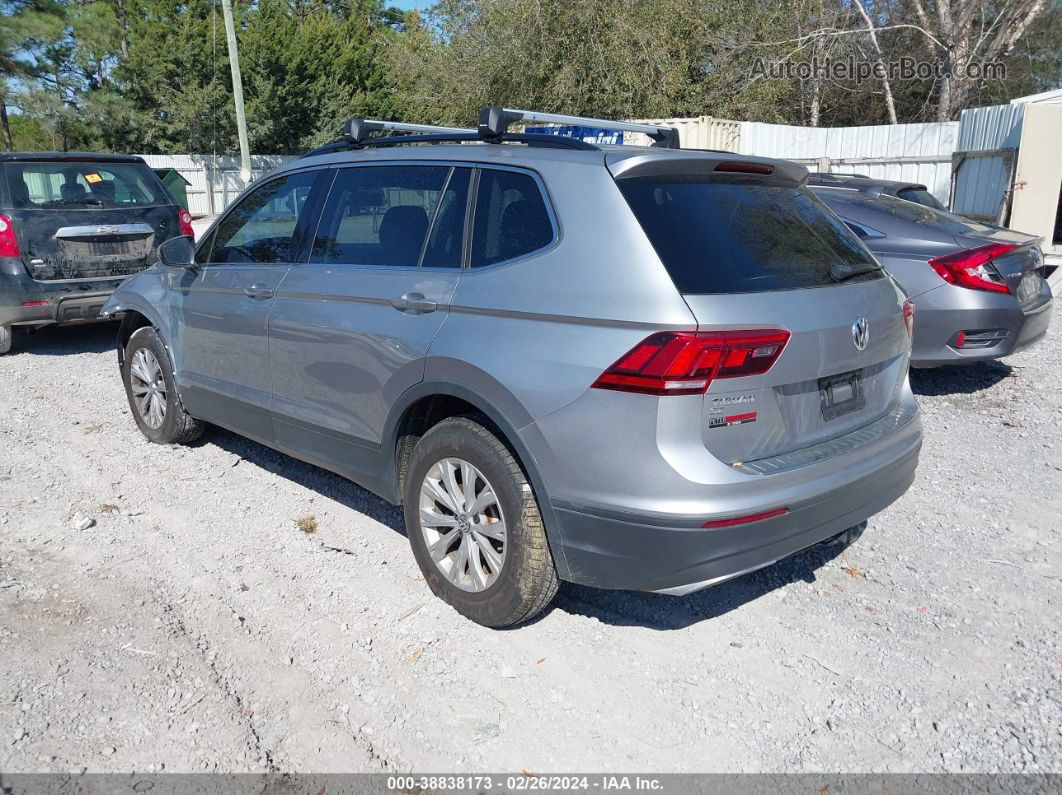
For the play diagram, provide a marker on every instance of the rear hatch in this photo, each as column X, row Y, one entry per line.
column 82, row 219
column 756, row 252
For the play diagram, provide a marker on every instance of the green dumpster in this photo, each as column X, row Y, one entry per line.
column 175, row 184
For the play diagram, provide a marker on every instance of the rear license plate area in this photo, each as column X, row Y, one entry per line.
column 841, row 394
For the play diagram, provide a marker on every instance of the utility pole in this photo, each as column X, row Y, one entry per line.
column 237, row 91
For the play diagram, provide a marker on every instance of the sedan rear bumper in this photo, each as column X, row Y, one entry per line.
column 945, row 311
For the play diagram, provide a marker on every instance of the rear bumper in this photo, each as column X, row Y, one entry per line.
column 944, row 311
column 608, row 548
column 65, row 301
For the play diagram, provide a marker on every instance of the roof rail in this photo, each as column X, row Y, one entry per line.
column 494, row 122
column 543, row 141
column 357, row 130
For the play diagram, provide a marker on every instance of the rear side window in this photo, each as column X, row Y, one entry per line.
column 920, row 196
column 511, row 218
column 90, row 186
column 741, row 237
column 394, row 216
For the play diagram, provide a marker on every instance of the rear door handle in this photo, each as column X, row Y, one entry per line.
column 258, row 291
column 414, row 303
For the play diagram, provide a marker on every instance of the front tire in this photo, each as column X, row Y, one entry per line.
column 6, row 335
column 149, row 386
column 475, row 527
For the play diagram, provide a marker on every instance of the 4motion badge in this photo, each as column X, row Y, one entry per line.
column 733, row 419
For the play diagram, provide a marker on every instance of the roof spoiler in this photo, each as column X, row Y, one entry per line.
column 494, row 122
column 693, row 162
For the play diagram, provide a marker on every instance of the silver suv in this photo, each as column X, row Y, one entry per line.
column 627, row 367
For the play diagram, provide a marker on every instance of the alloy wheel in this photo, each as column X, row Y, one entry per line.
column 462, row 524
column 149, row 388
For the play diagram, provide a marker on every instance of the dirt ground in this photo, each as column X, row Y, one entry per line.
column 160, row 609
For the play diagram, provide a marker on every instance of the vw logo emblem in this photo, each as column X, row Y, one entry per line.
column 860, row 333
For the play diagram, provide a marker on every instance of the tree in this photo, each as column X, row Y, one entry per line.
column 26, row 26
column 967, row 33
column 309, row 69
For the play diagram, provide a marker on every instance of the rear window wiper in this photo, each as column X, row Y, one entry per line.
column 840, row 273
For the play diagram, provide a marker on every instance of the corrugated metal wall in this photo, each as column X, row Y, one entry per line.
column 699, row 132
column 215, row 181
column 996, row 127
column 982, row 182
column 908, row 152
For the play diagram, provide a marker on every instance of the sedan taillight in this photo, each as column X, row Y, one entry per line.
column 686, row 362
column 8, row 241
column 972, row 267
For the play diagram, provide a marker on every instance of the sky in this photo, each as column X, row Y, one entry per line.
column 411, row 5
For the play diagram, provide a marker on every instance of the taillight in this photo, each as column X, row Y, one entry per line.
column 685, row 363
column 8, row 243
column 908, row 317
column 972, row 268
column 186, row 224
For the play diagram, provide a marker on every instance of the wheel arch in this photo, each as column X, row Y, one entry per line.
column 430, row 402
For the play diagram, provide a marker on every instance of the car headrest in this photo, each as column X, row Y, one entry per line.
column 402, row 232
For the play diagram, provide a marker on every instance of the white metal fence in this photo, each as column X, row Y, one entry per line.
column 908, row 152
column 214, row 180
column 911, row 152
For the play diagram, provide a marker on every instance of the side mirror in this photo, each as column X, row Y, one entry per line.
column 178, row 252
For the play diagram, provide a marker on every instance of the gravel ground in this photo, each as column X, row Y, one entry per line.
column 160, row 609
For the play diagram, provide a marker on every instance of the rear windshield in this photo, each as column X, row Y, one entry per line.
column 38, row 185
column 920, row 196
column 741, row 237
column 938, row 220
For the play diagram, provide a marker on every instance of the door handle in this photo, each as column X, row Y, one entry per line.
column 414, row 304
column 258, row 291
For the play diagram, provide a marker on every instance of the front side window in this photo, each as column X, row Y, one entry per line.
column 400, row 216
column 261, row 227
column 91, row 186
column 511, row 218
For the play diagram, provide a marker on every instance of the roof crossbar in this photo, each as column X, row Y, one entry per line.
column 358, row 130
column 494, row 121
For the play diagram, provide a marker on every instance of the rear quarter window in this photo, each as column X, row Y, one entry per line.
column 82, row 185
column 742, row 237
column 511, row 219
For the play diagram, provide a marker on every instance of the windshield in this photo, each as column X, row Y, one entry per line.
column 742, row 237
column 34, row 185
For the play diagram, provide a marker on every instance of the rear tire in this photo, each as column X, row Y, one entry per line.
column 487, row 518
column 149, row 386
column 6, row 335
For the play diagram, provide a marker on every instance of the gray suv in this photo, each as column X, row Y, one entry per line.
column 626, row 367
